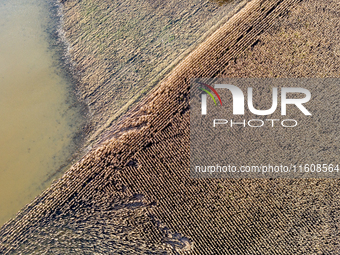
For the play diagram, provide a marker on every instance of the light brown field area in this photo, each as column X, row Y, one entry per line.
column 133, row 194
column 122, row 49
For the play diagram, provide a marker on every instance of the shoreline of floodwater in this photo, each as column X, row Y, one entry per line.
column 43, row 119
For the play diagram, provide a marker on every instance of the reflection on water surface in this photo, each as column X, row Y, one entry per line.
column 39, row 115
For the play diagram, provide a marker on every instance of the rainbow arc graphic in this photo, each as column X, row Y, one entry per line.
column 209, row 93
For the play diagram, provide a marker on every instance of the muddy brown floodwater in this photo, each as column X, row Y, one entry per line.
column 40, row 118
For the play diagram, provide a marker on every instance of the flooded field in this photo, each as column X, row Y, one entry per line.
column 40, row 119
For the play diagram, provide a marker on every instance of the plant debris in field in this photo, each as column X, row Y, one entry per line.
column 221, row 2
column 123, row 48
column 140, row 180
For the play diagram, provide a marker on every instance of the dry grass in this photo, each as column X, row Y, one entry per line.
column 177, row 213
column 124, row 48
column 221, row 2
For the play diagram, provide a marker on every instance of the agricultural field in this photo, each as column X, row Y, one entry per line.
column 122, row 49
column 133, row 195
